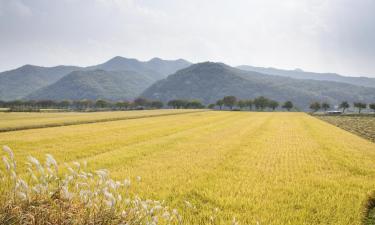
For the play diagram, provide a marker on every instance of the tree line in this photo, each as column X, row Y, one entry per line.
column 81, row 105
column 316, row 106
column 259, row 103
column 33, row 105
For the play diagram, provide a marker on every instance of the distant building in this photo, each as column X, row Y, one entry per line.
column 334, row 112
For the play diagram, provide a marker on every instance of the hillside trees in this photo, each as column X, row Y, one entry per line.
column 288, row 105
column 360, row 106
column 325, row 106
column 273, row 104
column 230, row 101
column 260, row 103
column 220, row 103
column 344, row 105
column 372, row 106
column 315, row 106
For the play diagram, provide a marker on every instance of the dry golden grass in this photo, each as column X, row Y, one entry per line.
column 363, row 126
column 30, row 120
column 271, row 168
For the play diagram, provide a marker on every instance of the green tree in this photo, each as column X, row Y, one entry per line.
column 101, row 103
column 172, row 103
column 344, row 105
column 315, row 106
column 288, row 105
column 156, row 104
column 372, row 106
column 64, row 104
column 141, row 102
column 360, row 106
column 230, row 101
column 249, row 104
column 220, row 103
column 211, row 106
column 273, row 104
column 241, row 104
column 261, row 103
column 325, row 106
column 194, row 104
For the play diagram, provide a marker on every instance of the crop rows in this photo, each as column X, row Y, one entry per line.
column 266, row 168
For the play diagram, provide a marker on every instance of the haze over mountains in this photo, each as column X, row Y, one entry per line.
column 300, row 74
column 22, row 82
column 125, row 78
column 209, row 82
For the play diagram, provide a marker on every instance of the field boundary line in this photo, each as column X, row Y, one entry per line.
column 40, row 126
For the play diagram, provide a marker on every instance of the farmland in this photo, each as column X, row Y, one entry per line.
column 271, row 168
column 22, row 120
column 363, row 126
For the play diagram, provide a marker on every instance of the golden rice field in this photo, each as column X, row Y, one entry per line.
column 26, row 120
column 262, row 168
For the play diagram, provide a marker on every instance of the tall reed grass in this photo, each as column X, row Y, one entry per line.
column 49, row 193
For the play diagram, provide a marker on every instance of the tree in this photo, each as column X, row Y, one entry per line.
column 172, row 103
column 372, row 106
column 261, row 102
column 249, row 103
column 101, row 103
column 315, row 106
column 64, row 104
column 325, row 106
column 360, row 106
column 229, row 101
column 288, row 105
column 211, row 106
column 140, row 102
column 344, row 105
column 241, row 104
column 220, row 103
column 194, row 104
column 273, row 104
column 156, row 104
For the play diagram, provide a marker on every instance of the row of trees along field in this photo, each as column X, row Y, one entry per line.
column 138, row 103
column 316, row 106
column 259, row 103
column 32, row 105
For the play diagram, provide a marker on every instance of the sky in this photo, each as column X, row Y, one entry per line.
column 313, row 35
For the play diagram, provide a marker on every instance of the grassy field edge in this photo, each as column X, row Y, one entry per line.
column 70, row 123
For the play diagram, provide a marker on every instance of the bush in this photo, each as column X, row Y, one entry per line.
column 51, row 196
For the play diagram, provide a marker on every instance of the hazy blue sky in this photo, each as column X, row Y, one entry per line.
column 315, row 35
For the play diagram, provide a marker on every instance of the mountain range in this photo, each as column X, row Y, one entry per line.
column 209, row 82
column 21, row 83
column 300, row 74
column 126, row 78
column 96, row 84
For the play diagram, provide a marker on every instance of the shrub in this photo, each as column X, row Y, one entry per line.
column 47, row 195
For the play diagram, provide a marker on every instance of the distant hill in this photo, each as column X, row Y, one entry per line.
column 156, row 68
column 18, row 83
column 300, row 74
column 209, row 82
column 97, row 84
column 21, row 82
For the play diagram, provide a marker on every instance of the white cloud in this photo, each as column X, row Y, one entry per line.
column 320, row 35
